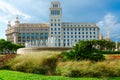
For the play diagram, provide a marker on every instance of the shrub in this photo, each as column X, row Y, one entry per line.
column 40, row 63
column 105, row 68
column 84, row 50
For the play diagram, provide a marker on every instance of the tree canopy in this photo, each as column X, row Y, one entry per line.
column 89, row 50
column 8, row 46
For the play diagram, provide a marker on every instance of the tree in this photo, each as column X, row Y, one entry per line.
column 8, row 46
column 84, row 50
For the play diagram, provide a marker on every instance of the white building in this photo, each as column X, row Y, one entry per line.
column 62, row 34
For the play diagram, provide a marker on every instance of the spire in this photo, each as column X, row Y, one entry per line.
column 101, row 37
column 9, row 24
column 17, row 20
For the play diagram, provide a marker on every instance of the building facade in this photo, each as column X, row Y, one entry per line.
column 55, row 33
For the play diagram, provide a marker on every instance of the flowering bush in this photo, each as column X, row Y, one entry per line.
column 5, row 58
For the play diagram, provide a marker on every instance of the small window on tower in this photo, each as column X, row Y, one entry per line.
column 55, row 5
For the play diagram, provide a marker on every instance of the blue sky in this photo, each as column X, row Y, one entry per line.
column 105, row 13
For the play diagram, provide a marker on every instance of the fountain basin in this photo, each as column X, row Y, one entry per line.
column 38, row 49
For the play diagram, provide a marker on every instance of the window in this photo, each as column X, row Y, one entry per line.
column 59, row 36
column 55, row 29
column 51, row 19
column 58, row 19
column 68, row 44
column 19, row 34
column 71, row 29
column 71, row 36
column 55, row 24
column 86, row 29
column 67, row 32
column 71, row 32
column 51, row 32
column 51, row 29
column 59, row 40
column 36, row 34
column 55, row 12
column 75, row 32
column 55, row 32
column 93, row 29
column 86, row 36
column 75, row 29
column 55, row 5
column 64, row 36
column 90, row 29
column 75, row 36
column 90, row 36
column 67, row 36
column 82, row 29
column 51, row 24
column 58, row 32
column 64, row 29
column 86, row 32
column 90, row 32
column 58, row 24
column 59, row 29
column 82, row 36
column 32, row 34
column 28, row 34
column 67, row 29
column 78, row 32
column 82, row 32
column 93, row 32
column 64, row 32
column 75, row 40
column 46, row 34
column 40, row 33
column 79, row 29
column 23, row 34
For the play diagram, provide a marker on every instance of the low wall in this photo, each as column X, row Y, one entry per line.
column 35, row 49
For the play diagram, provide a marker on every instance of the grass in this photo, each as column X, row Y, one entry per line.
column 14, row 75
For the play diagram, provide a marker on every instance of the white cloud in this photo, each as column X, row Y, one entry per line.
column 108, row 21
column 7, row 12
column 109, row 26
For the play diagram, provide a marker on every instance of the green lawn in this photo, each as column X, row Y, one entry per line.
column 14, row 75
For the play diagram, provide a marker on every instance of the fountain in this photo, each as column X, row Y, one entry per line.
column 43, row 45
column 116, row 45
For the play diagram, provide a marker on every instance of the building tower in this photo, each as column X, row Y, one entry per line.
column 17, row 21
column 9, row 24
column 15, row 37
column 55, row 22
